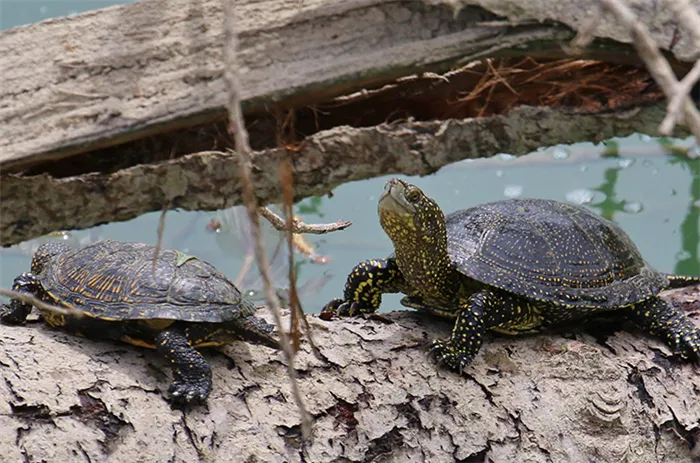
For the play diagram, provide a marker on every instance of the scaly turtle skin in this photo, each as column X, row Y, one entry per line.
column 512, row 266
column 116, row 292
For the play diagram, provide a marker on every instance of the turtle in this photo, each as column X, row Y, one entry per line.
column 511, row 266
column 114, row 290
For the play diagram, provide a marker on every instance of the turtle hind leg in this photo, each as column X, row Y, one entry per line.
column 681, row 281
column 669, row 323
column 191, row 373
column 16, row 311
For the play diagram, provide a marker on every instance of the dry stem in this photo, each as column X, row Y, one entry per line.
column 673, row 109
column 159, row 232
column 36, row 302
column 299, row 226
column 657, row 65
column 286, row 179
column 237, row 128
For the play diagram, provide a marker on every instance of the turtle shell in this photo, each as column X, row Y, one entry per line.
column 550, row 251
column 113, row 280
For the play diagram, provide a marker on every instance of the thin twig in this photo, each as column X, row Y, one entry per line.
column 38, row 303
column 499, row 78
column 300, row 227
column 298, row 315
column 294, row 304
column 656, row 64
column 237, row 128
column 159, row 232
column 247, row 262
column 673, row 110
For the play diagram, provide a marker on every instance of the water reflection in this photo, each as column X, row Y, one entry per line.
column 690, row 235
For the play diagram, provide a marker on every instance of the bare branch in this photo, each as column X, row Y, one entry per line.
column 656, row 64
column 237, row 128
column 673, row 111
column 299, row 226
column 36, row 302
column 286, row 179
column 159, row 232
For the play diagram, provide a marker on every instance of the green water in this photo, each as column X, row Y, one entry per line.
column 19, row 12
column 653, row 194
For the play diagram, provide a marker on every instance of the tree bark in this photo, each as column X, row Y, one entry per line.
column 207, row 180
column 594, row 395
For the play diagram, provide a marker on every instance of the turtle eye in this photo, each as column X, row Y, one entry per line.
column 413, row 195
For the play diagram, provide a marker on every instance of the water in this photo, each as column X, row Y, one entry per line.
column 18, row 12
column 637, row 182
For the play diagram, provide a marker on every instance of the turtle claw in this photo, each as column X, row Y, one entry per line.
column 342, row 308
column 184, row 393
column 446, row 354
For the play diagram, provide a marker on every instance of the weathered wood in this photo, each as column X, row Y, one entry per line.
column 376, row 396
column 656, row 15
column 112, row 75
column 105, row 77
column 205, row 181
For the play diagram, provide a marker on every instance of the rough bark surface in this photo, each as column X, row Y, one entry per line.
column 376, row 396
column 204, row 181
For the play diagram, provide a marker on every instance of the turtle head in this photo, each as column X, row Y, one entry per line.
column 46, row 253
column 410, row 218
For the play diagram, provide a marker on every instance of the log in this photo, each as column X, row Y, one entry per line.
column 207, row 180
column 593, row 395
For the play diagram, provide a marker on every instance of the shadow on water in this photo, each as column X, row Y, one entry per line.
column 611, row 204
column 689, row 264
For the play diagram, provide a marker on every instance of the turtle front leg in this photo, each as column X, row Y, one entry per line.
column 16, row 311
column 191, row 373
column 365, row 286
column 669, row 323
column 483, row 310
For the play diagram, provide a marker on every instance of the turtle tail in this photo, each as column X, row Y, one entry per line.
column 681, row 281
column 256, row 330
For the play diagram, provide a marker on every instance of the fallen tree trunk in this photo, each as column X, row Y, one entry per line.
column 375, row 396
column 208, row 180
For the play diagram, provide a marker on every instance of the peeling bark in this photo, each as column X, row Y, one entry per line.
column 594, row 395
column 205, row 181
